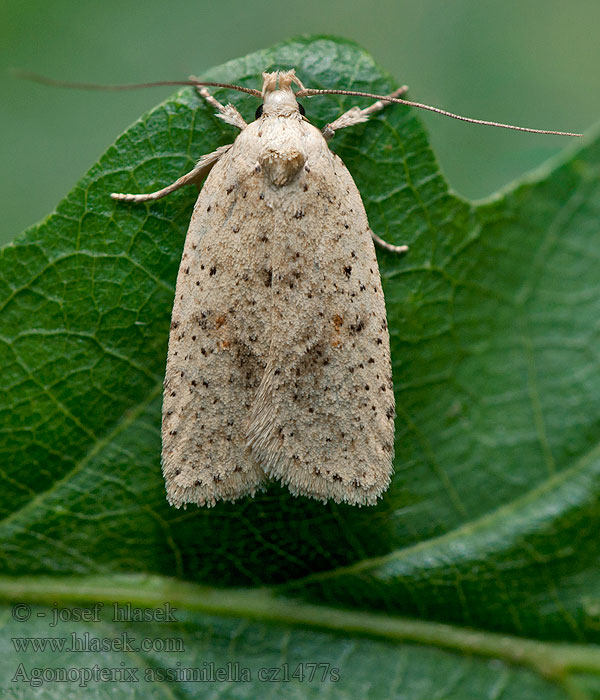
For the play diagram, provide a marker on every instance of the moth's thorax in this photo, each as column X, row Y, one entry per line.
column 283, row 149
column 278, row 147
column 281, row 103
column 281, row 140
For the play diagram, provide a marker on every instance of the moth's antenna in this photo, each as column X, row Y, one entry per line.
column 36, row 78
column 307, row 92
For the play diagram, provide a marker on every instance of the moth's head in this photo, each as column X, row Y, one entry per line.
column 278, row 97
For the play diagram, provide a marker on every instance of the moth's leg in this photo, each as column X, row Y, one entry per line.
column 228, row 113
column 388, row 246
column 356, row 115
column 194, row 177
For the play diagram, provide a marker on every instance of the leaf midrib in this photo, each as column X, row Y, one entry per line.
column 549, row 659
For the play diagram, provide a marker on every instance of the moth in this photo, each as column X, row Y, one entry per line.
column 279, row 359
column 278, row 364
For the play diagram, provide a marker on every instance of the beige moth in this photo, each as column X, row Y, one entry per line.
column 279, row 363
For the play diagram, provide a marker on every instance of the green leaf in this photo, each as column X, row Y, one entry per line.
column 476, row 576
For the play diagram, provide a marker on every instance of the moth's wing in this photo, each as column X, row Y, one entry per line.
column 217, row 340
column 323, row 419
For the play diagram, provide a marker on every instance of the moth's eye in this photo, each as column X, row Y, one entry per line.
column 258, row 112
column 301, row 108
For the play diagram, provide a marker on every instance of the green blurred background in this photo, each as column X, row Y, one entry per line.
column 530, row 62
